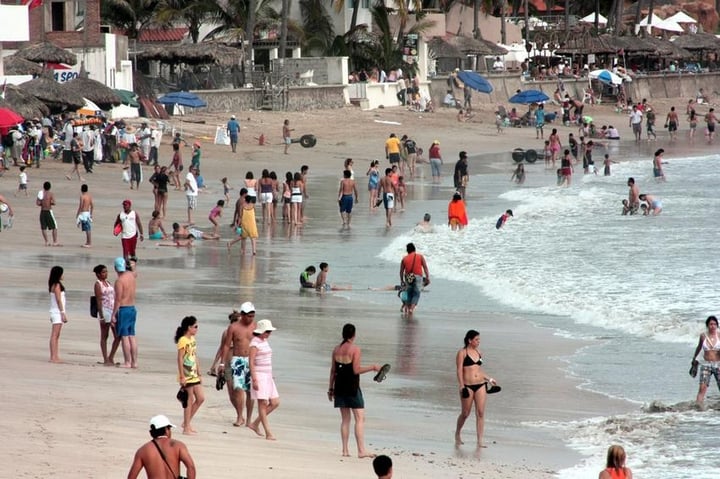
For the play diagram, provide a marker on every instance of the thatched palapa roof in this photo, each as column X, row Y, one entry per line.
column 629, row 44
column 666, row 48
column 443, row 49
column 698, row 41
column 52, row 93
column 472, row 46
column 15, row 65
column 47, row 52
column 194, row 54
column 104, row 96
column 583, row 44
column 23, row 103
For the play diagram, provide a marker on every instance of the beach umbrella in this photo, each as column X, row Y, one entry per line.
column 591, row 19
column 50, row 92
column 475, row 81
column 682, row 17
column 182, row 98
column 93, row 90
column 127, row 97
column 89, row 109
column 669, row 26
column 606, row 76
column 46, row 52
column 529, row 96
column 9, row 118
column 15, row 65
column 23, row 103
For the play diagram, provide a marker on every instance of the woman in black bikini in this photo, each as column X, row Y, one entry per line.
column 474, row 385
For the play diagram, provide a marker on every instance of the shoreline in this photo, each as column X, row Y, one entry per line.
column 90, row 401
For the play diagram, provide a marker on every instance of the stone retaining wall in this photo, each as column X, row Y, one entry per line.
column 299, row 98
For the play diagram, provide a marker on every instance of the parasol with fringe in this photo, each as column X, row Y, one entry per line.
column 472, row 46
column 443, row 49
column 15, row 65
column 52, row 94
column 667, row 49
column 698, row 41
column 194, row 54
column 104, row 96
column 23, row 103
column 46, row 52
column 583, row 44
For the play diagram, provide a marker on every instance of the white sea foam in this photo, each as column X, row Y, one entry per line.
column 569, row 252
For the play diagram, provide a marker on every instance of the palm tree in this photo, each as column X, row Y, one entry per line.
column 284, row 13
column 318, row 27
column 192, row 12
column 132, row 16
column 339, row 6
column 404, row 7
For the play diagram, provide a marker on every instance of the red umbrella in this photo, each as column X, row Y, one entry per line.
column 9, row 118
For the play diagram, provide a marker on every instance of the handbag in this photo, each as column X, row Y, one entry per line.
column 93, row 307
column 410, row 277
column 165, row 461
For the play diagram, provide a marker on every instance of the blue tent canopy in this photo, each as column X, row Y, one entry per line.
column 183, row 98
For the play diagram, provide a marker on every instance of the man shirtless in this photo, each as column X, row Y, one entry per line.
column 633, row 196
column 84, row 214
column 387, row 189
column 148, row 457
column 237, row 340
column 135, row 169
column 345, row 197
column 46, row 200
column 124, row 312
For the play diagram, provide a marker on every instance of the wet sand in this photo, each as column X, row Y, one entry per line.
column 83, row 419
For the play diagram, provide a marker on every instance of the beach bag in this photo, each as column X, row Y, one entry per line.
column 126, row 176
column 93, row 307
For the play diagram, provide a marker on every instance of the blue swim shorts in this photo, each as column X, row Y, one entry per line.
column 346, row 204
column 126, row 317
column 240, row 366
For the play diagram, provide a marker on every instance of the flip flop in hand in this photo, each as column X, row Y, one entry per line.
column 380, row 376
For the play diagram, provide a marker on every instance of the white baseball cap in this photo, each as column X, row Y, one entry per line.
column 263, row 326
column 160, row 421
column 247, row 307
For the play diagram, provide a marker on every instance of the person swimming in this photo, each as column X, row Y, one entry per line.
column 305, row 277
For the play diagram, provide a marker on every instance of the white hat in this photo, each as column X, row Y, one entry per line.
column 247, row 307
column 159, row 422
column 263, row 326
column 232, row 117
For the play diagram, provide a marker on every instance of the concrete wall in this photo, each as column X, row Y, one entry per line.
column 300, row 98
column 327, row 70
column 673, row 85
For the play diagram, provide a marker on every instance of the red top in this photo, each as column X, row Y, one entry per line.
column 435, row 151
column 616, row 473
column 413, row 263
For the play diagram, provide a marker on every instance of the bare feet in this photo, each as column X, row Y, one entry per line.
column 56, row 361
column 239, row 422
column 346, row 454
column 124, row 366
column 189, row 432
column 254, row 427
column 366, row 454
column 458, row 441
column 270, row 438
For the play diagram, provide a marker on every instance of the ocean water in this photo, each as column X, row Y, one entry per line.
column 638, row 288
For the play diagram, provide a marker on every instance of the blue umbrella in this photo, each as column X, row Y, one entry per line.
column 529, row 96
column 475, row 81
column 182, row 98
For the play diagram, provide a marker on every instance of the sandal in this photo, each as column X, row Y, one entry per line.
column 492, row 388
column 380, row 376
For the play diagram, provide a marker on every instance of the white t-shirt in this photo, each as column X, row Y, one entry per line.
column 155, row 138
column 191, row 189
column 88, row 139
column 498, row 65
column 636, row 117
column 23, row 178
column 68, row 130
column 143, row 133
column 129, row 225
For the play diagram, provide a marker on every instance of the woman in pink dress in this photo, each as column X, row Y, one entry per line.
column 263, row 386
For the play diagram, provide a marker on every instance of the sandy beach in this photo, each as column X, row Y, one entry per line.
column 81, row 419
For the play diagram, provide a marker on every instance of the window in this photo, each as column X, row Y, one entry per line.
column 57, row 13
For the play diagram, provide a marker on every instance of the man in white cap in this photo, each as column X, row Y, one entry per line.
column 233, row 131
column 161, row 457
column 237, row 339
